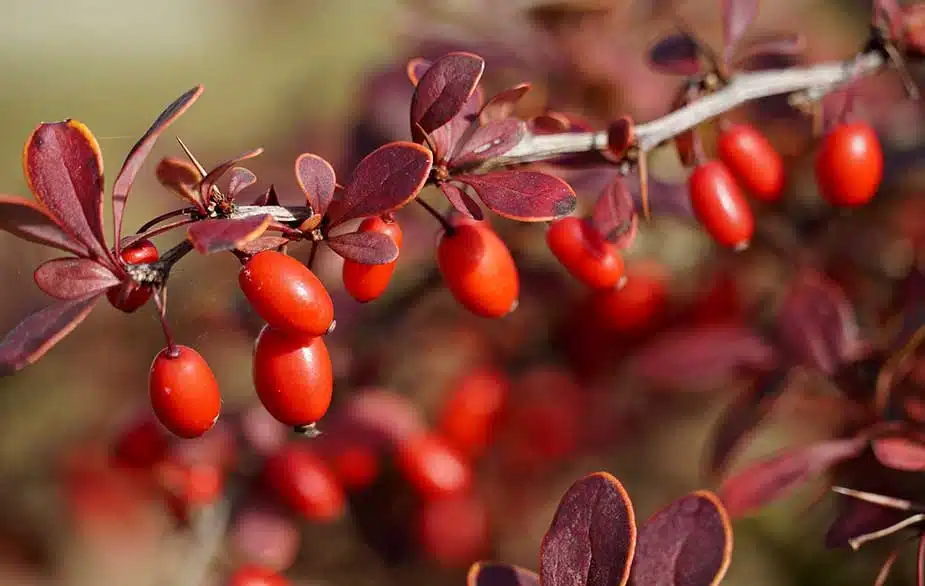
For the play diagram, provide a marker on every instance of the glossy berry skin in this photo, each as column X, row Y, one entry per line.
column 130, row 297
column 304, row 482
column 478, row 269
column 253, row 575
column 286, row 294
column 753, row 161
column 367, row 282
column 584, row 252
column 849, row 165
column 719, row 205
column 472, row 409
column 634, row 308
column 184, row 392
column 432, row 467
column 292, row 376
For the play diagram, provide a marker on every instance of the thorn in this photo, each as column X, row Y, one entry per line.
column 644, row 185
column 189, row 155
column 876, row 499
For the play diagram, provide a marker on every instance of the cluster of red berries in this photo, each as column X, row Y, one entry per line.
column 849, row 167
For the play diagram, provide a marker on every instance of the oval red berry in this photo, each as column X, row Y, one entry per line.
column 184, row 392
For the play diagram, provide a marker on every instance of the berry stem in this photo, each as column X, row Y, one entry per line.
column 447, row 226
column 161, row 305
column 158, row 219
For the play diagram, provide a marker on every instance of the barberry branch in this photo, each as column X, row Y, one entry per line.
column 814, row 81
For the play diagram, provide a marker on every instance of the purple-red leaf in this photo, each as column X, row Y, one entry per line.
column 64, row 170
column 502, row 105
column 28, row 220
column 901, row 451
column 416, row 68
column 592, row 536
column 461, row 201
column 368, row 248
column 688, row 543
column 209, row 236
column 267, row 198
column 690, row 357
column 620, row 136
column 180, row 177
column 40, row 331
column 816, row 323
column 448, row 138
column 773, row 478
column 676, row 54
column 500, row 574
column 262, row 243
column 528, row 196
column 443, row 90
column 385, row 180
column 209, row 181
column 737, row 16
column 139, row 152
column 614, row 213
column 73, row 278
column 857, row 518
column 766, row 48
column 317, row 180
column 240, row 180
column 491, row 140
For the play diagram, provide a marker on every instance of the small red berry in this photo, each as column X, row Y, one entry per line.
column 368, row 282
column 292, row 376
column 252, row 575
column 719, row 205
column 189, row 487
column 478, row 268
column 141, row 444
column 432, row 467
column 849, row 165
column 184, row 392
column 305, row 483
column 633, row 308
column 755, row 163
column 356, row 464
column 286, row 294
column 472, row 410
column 584, row 252
column 131, row 296
column 454, row 531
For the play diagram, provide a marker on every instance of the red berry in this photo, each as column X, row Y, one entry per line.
column 292, row 376
column 478, row 268
column 184, row 392
column 432, row 467
column 719, row 205
column 755, row 163
column 472, row 409
column 368, row 282
column 252, row 575
column 286, row 294
column 634, row 307
column 130, row 296
column 454, row 531
column 142, row 444
column 849, row 165
column 584, row 252
column 305, row 483
column 355, row 464
column 190, row 486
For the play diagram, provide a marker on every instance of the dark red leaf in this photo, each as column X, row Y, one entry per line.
column 665, row 199
column 592, row 536
column 620, row 137
column 139, row 152
column 502, row 105
column 64, row 170
column 737, row 16
column 816, row 323
column 688, row 543
column 461, row 201
column 448, row 137
column 240, row 180
column 385, row 180
column 614, row 213
column 267, row 198
column 209, row 236
column 73, row 278
column 741, row 416
column 676, row 54
column 491, row 140
column 767, row 480
column 40, row 331
column 698, row 356
column 180, row 177
column 443, row 90
column 901, row 451
column 262, row 243
column 28, row 220
column 857, row 518
column 209, row 181
column 768, row 47
column 368, row 248
column 500, row 574
column 549, row 123
column 528, row 196
column 416, row 68
column 317, row 179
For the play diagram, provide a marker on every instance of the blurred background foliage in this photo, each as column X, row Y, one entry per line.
column 292, row 76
